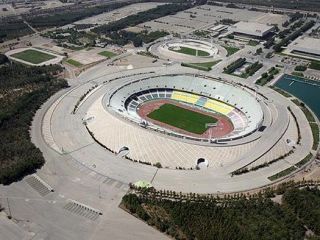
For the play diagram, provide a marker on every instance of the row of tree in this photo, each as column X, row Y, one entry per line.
column 250, row 70
column 22, row 89
column 10, row 29
column 70, row 15
column 122, row 37
column 234, row 65
column 293, row 36
column 244, row 218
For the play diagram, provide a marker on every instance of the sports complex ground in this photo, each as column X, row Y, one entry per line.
column 182, row 118
column 33, row 56
column 191, row 51
column 185, row 119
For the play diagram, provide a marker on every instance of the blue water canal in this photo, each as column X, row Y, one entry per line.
column 306, row 90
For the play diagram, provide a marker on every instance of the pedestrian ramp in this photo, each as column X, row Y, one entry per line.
column 39, row 185
column 82, row 210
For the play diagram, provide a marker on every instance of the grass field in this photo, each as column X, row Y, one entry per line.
column 182, row 118
column 282, row 173
column 315, row 65
column 191, row 51
column 33, row 56
column 231, row 50
column 253, row 43
column 74, row 62
column 205, row 66
column 107, row 54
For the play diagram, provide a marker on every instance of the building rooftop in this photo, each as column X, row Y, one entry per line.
column 252, row 28
column 307, row 43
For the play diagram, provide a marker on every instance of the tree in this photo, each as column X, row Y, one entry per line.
column 137, row 42
column 3, row 59
column 259, row 51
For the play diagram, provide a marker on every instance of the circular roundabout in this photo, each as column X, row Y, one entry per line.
column 161, row 124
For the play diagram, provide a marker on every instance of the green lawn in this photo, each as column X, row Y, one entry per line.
column 315, row 134
column 185, row 119
column 298, row 74
column 253, row 43
column 305, row 160
column 33, row 56
column 282, row 173
column 315, row 65
column 231, row 50
column 191, row 51
column 205, row 66
column 74, row 62
column 107, row 54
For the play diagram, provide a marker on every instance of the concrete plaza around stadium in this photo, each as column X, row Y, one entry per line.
column 66, row 133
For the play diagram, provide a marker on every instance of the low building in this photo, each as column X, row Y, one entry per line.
column 218, row 28
column 305, row 46
column 251, row 29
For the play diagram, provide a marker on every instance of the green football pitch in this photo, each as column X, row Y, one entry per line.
column 182, row 118
column 33, row 56
column 107, row 54
column 191, row 51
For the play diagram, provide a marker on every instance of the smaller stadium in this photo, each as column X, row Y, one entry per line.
column 188, row 50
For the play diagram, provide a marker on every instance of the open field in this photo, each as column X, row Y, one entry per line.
column 190, row 121
column 74, row 63
column 231, row 50
column 191, row 51
column 33, row 56
column 107, row 54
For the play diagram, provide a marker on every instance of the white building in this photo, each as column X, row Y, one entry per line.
column 251, row 29
column 305, row 46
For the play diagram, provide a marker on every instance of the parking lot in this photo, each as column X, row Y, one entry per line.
column 206, row 16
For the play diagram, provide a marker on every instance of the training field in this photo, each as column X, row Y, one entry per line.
column 191, row 51
column 107, row 54
column 182, row 118
column 33, row 56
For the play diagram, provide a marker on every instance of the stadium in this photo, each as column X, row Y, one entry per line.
column 179, row 106
column 188, row 50
column 178, row 129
